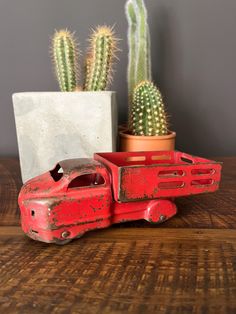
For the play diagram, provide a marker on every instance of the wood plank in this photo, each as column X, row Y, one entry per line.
column 10, row 183
column 215, row 210
column 127, row 270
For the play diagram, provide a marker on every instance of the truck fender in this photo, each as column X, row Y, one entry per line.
column 160, row 210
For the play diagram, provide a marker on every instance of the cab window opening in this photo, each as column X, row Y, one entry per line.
column 87, row 180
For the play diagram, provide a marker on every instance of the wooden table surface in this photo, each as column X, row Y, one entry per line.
column 185, row 265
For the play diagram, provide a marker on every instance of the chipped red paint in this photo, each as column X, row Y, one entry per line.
column 134, row 186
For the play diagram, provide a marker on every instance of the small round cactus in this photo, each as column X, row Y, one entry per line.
column 103, row 46
column 65, row 54
column 148, row 117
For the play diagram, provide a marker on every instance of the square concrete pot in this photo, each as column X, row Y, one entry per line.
column 52, row 126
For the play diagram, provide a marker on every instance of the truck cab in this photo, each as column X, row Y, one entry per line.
column 75, row 192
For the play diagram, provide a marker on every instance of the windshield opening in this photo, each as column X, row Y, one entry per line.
column 57, row 173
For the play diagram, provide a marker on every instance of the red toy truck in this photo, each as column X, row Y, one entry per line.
column 79, row 195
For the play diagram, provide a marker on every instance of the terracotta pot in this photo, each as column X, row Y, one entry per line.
column 133, row 143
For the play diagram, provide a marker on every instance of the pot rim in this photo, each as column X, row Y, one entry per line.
column 124, row 134
column 77, row 93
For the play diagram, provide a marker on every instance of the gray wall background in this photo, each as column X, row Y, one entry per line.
column 193, row 57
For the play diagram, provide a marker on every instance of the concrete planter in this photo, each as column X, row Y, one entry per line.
column 52, row 126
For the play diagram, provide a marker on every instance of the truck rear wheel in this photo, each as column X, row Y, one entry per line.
column 63, row 242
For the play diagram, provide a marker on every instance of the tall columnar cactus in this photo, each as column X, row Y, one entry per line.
column 143, row 71
column 132, row 25
column 65, row 54
column 139, row 67
column 148, row 115
column 103, row 46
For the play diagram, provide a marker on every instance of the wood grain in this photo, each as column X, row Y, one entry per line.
column 120, row 271
column 10, row 183
column 215, row 210
column 186, row 265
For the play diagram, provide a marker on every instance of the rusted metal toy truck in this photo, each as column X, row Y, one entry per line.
column 79, row 195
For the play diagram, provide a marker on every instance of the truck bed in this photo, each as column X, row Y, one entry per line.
column 149, row 175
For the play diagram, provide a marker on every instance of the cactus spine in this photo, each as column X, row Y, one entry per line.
column 139, row 67
column 103, row 46
column 148, row 117
column 65, row 53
